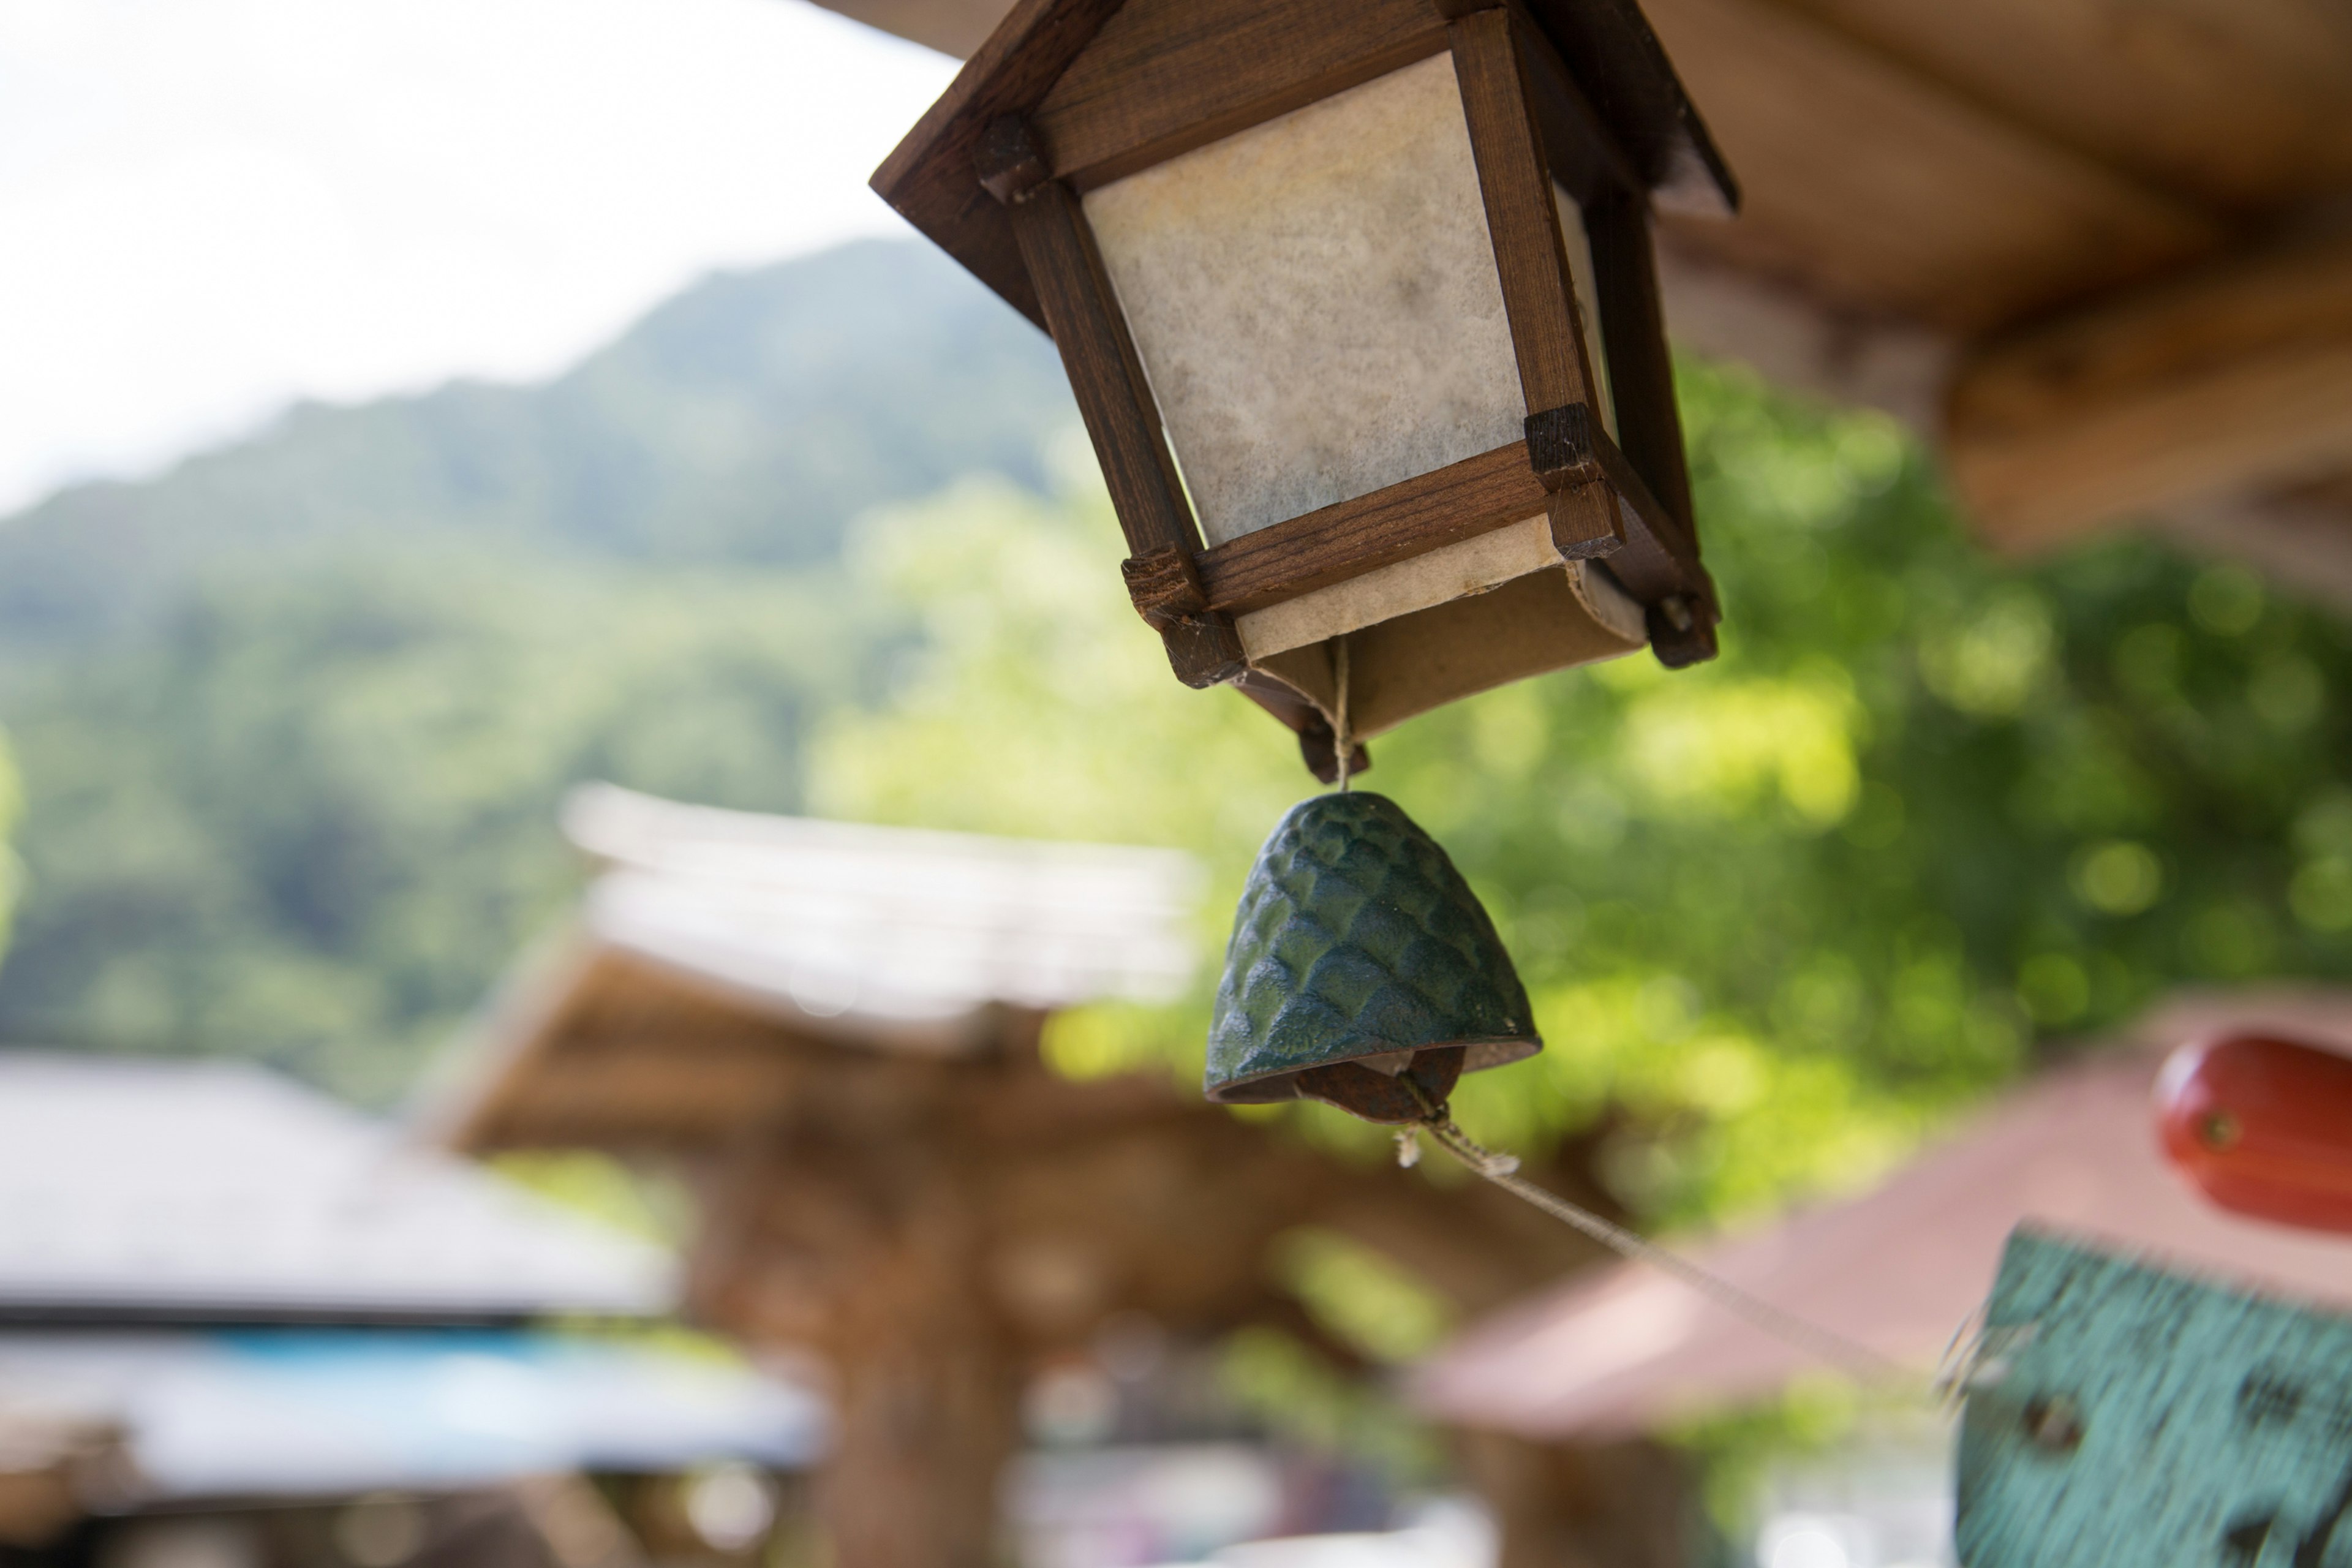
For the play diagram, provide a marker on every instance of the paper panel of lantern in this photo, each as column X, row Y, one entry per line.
column 1359, row 305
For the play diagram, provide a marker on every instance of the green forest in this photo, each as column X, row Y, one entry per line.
column 291, row 722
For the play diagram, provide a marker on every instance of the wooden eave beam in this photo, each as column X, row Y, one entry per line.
column 955, row 27
column 1885, row 190
column 2235, row 377
column 2243, row 104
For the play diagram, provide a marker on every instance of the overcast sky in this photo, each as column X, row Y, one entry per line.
column 208, row 207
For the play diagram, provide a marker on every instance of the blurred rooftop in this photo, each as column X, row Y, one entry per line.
column 714, row 942
column 152, row 1191
column 1901, row 1269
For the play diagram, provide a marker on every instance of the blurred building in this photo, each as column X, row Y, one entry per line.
column 1622, row 1350
column 242, row 1326
column 833, row 1032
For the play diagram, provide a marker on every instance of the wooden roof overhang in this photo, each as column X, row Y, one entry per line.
column 1111, row 86
column 2102, row 249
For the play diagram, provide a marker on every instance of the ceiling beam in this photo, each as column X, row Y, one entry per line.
column 1883, row 190
column 952, row 27
column 2233, row 377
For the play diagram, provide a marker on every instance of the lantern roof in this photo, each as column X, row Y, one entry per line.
column 1172, row 65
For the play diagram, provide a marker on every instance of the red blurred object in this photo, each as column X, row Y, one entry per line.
column 2262, row 1127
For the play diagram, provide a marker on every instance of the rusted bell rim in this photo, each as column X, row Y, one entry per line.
column 1281, row 1084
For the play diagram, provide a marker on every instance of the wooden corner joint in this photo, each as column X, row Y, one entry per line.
column 1681, row 630
column 1598, row 507
column 1165, row 586
column 1560, row 446
column 1204, row 649
column 1587, row 522
column 1011, row 165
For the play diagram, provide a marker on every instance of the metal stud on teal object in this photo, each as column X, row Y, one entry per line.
column 1361, row 962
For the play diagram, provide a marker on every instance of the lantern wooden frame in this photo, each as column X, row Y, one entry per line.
column 1070, row 95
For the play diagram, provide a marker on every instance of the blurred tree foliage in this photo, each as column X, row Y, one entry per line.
column 294, row 720
column 295, row 717
column 12, row 872
column 314, row 820
column 1779, row 911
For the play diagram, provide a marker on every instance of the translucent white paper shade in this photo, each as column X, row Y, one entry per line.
column 1316, row 302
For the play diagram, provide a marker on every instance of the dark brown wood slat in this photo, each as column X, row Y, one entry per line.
column 1410, row 518
column 1515, row 181
column 1586, row 524
column 1583, row 156
column 928, row 177
column 1608, row 46
column 1165, row 586
column 1641, row 369
column 1163, row 76
column 1114, row 399
column 1106, row 373
column 1600, row 508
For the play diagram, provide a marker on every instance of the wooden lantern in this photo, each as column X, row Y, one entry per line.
column 1357, row 300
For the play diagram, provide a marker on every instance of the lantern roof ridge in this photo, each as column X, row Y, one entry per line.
column 932, row 178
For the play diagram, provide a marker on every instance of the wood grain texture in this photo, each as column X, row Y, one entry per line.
column 930, row 177
column 1620, row 63
column 1163, row 76
column 1394, row 525
column 1165, row 587
column 1271, row 56
column 1582, row 152
column 1204, row 650
column 1008, row 160
column 2234, row 378
column 1106, row 373
column 1885, row 190
column 1641, row 366
column 1655, row 556
column 1115, row 400
column 2128, row 1415
column 1586, row 524
column 2243, row 104
column 1515, row 179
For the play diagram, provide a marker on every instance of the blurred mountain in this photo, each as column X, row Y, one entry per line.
column 294, row 717
column 744, row 421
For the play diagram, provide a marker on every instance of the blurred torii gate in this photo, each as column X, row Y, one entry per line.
column 2101, row 250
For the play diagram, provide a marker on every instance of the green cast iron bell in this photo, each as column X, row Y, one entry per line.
column 1361, row 962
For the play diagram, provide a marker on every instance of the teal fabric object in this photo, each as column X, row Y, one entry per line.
column 1360, row 958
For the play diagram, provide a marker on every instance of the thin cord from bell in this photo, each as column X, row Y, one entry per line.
column 1502, row 1169
column 1343, row 741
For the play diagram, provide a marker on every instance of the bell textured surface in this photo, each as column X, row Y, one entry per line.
column 1360, row 957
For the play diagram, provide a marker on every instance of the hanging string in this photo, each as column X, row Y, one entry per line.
column 1343, row 739
column 1502, row 1169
